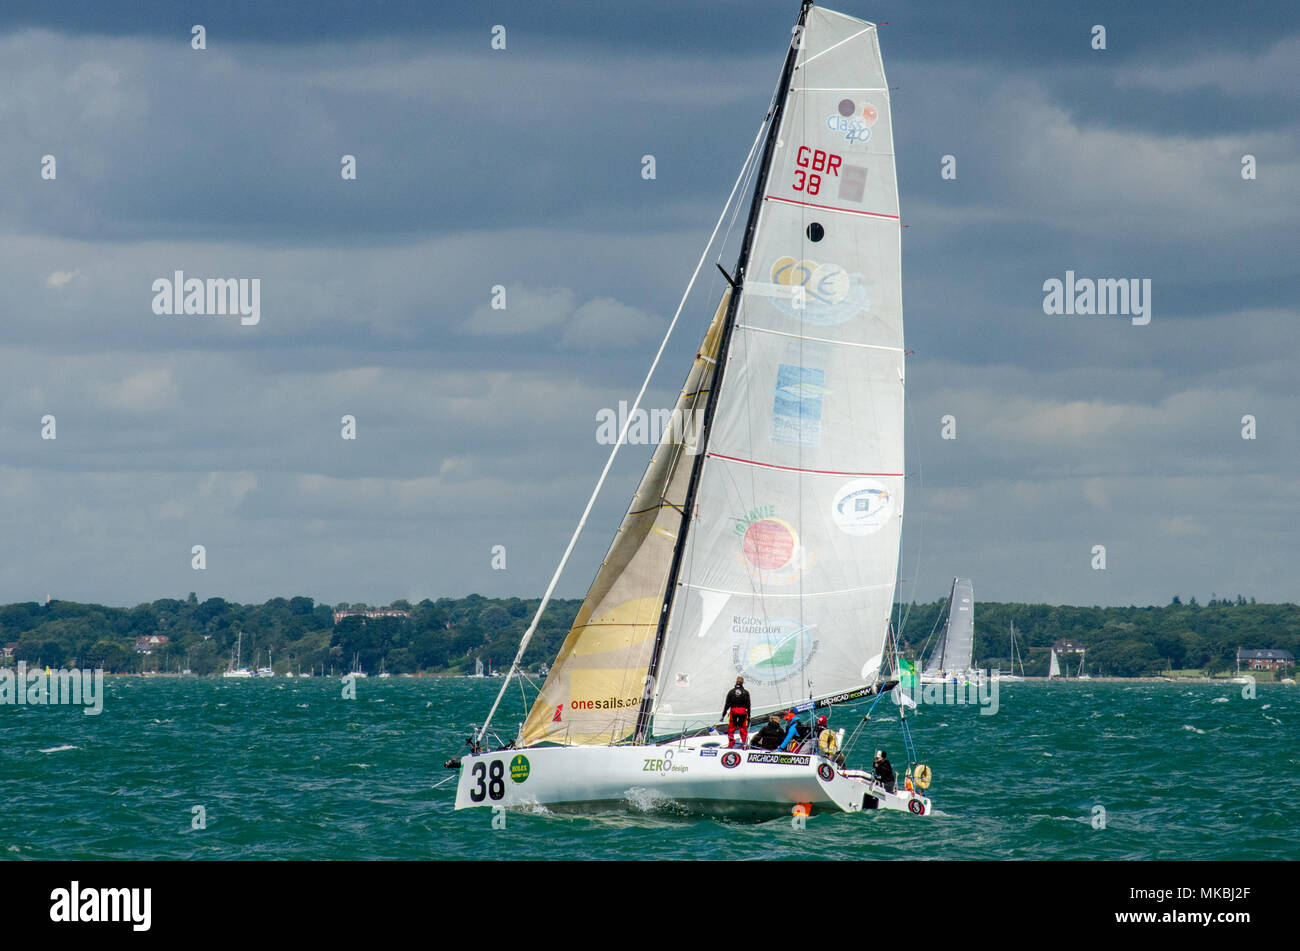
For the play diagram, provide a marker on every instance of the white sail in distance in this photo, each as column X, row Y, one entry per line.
column 955, row 651
column 788, row 569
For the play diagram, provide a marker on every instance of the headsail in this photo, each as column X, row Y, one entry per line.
column 955, row 650
column 788, row 569
column 595, row 687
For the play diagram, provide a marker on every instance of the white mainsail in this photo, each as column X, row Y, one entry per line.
column 1054, row 669
column 790, row 561
column 955, row 651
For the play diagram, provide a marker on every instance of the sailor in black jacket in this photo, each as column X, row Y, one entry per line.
column 884, row 771
column 736, row 712
column 769, row 738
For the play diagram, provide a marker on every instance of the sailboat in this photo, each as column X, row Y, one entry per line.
column 951, row 658
column 478, row 668
column 763, row 542
column 1014, row 656
column 1082, row 675
column 1054, row 667
column 234, row 670
column 357, row 673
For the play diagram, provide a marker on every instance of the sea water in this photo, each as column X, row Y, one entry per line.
column 291, row 769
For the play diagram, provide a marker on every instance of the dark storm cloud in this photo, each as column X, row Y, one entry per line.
column 522, row 169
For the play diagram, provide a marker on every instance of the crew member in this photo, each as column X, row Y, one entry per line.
column 769, row 738
column 884, row 771
column 736, row 712
column 799, row 731
column 826, row 739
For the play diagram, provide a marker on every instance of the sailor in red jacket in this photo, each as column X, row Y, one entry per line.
column 736, row 712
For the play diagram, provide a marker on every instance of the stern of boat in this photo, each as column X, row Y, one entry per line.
column 857, row 791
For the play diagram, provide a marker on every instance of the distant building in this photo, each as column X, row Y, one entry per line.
column 146, row 645
column 1067, row 646
column 7, row 652
column 1264, row 660
column 369, row 612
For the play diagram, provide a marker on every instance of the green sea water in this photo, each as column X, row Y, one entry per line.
column 289, row 769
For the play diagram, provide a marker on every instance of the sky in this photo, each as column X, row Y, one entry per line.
column 522, row 167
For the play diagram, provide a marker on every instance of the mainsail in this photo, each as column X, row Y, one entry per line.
column 956, row 647
column 785, row 566
column 790, row 560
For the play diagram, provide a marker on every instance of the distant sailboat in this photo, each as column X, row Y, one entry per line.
column 1082, row 675
column 1014, row 655
column 234, row 670
column 357, row 673
column 1054, row 668
column 952, row 655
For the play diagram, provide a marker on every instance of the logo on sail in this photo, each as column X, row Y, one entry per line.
column 769, row 651
column 862, row 507
column 819, row 293
column 853, row 120
column 770, row 549
column 797, row 406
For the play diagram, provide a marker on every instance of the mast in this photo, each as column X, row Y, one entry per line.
column 715, row 385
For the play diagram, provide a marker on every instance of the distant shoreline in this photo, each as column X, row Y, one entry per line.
column 443, row 675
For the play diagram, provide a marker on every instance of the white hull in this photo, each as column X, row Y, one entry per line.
column 683, row 778
column 963, row 677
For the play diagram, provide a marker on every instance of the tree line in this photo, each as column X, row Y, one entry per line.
column 449, row 634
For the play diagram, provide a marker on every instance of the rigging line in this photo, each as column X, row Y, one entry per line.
column 577, row 532
column 749, row 171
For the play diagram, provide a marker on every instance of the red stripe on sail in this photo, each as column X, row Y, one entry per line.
column 847, row 211
column 769, row 465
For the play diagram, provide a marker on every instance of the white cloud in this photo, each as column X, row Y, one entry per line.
column 527, row 311
column 605, row 323
column 146, row 391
